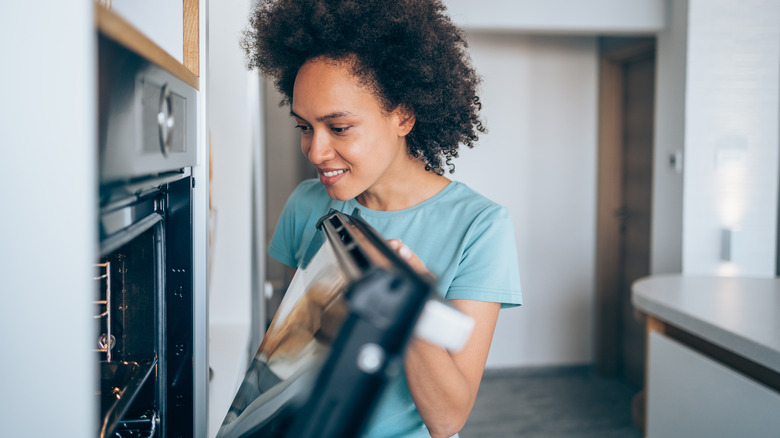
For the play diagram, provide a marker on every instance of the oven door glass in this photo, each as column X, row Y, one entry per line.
column 282, row 372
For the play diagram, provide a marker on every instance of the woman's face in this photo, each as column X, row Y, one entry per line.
column 355, row 145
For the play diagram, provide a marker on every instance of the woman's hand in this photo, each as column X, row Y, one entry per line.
column 405, row 253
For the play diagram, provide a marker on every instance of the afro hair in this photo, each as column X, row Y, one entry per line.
column 408, row 52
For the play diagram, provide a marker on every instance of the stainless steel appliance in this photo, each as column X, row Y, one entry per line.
column 144, row 280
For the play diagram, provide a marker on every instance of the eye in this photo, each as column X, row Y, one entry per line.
column 339, row 129
column 305, row 129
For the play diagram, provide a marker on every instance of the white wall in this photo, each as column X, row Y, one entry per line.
column 48, row 237
column 233, row 104
column 560, row 16
column 539, row 160
column 231, row 141
column 731, row 135
column 669, row 132
column 160, row 20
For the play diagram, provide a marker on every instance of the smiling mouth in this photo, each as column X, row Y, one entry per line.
column 334, row 172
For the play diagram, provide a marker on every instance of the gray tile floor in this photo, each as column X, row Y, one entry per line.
column 560, row 402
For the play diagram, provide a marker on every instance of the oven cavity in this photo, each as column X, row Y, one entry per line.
column 131, row 327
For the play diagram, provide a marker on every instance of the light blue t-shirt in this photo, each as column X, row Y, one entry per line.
column 463, row 238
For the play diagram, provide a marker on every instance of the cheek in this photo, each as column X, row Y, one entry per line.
column 353, row 150
column 362, row 154
column 305, row 146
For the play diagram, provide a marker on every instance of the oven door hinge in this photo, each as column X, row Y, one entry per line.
column 160, row 205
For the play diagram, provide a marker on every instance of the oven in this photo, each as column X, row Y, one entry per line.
column 143, row 307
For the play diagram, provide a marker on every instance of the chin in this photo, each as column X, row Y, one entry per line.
column 339, row 195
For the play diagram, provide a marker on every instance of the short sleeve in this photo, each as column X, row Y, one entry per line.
column 297, row 223
column 282, row 243
column 488, row 269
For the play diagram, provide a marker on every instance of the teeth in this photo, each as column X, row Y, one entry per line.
column 334, row 173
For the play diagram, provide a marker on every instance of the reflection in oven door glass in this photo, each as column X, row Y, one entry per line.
column 298, row 339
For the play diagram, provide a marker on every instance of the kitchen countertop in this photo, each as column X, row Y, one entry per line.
column 738, row 314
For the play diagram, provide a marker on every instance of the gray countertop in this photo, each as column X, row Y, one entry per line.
column 739, row 314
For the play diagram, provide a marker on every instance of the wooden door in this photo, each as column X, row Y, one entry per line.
column 624, row 202
column 637, row 159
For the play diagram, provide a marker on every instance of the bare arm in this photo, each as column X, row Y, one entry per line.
column 443, row 384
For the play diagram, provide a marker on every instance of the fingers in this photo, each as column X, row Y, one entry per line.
column 400, row 248
column 405, row 253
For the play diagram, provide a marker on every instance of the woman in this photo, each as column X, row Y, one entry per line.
column 383, row 94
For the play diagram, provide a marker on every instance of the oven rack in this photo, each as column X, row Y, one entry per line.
column 123, row 381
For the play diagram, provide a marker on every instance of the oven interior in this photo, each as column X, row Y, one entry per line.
column 143, row 316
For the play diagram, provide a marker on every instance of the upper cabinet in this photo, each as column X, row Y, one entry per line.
column 164, row 32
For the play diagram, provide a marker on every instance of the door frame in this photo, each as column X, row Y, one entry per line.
column 609, row 198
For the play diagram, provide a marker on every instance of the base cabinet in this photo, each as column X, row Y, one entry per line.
column 691, row 395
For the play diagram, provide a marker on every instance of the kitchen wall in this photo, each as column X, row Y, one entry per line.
column 540, row 65
column 230, row 128
column 669, row 137
column 234, row 96
column 539, row 160
column 732, row 100
column 561, row 16
column 717, row 109
column 160, row 20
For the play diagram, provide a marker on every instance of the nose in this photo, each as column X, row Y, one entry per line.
column 317, row 148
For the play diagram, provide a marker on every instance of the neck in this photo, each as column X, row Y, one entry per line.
column 405, row 189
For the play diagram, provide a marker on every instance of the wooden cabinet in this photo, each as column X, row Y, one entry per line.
column 119, row 28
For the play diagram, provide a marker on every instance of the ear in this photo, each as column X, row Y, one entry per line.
column 405, row 118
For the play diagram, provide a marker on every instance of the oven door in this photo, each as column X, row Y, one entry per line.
column 336, row 339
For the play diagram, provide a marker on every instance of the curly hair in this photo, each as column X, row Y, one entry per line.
column 408, row 52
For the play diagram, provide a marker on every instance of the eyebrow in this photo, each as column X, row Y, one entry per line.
column 330, row 116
